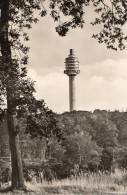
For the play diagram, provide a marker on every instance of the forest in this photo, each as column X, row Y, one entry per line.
column 88, row 142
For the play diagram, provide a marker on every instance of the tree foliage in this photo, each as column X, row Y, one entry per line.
column 42, row 122
column 98, row 142
column 110, row 15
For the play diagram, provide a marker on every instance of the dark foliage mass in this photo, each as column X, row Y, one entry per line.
column 110, row 15
column 91, row 141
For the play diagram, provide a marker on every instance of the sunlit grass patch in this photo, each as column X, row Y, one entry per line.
column 91, row 182
column 86, row 184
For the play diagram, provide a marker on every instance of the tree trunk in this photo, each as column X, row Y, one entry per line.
column 16, row 161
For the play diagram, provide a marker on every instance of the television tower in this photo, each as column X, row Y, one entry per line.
column 72, row 69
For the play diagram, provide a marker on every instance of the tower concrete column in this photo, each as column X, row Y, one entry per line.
column 72, row 69
column 72, row 93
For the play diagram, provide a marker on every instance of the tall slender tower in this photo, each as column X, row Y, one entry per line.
column 72, row 69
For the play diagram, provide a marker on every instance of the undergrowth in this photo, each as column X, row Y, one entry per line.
column 91, row 183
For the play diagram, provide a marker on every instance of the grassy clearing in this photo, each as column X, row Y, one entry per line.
column 116, row 182
column 87, row 184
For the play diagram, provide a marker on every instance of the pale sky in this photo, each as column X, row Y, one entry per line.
column 102, row 83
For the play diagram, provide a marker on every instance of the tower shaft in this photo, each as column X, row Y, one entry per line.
column 72, row 93
column 71, row 70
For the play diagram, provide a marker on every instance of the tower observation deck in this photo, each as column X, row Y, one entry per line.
column 71, row 70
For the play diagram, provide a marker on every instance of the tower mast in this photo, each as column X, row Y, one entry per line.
column 72, row 69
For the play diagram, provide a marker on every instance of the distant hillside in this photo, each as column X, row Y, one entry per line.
column 91, row 122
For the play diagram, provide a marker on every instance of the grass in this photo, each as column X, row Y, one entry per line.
column 115, row 182
column 87, row 184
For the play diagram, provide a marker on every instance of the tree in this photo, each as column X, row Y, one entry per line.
column 106, row 136
column 120, row 119
column 111, row 15
column 80, row 150
column 7, row 88
column 15, row 87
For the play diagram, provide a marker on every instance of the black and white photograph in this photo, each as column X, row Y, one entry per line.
column 63, row 97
